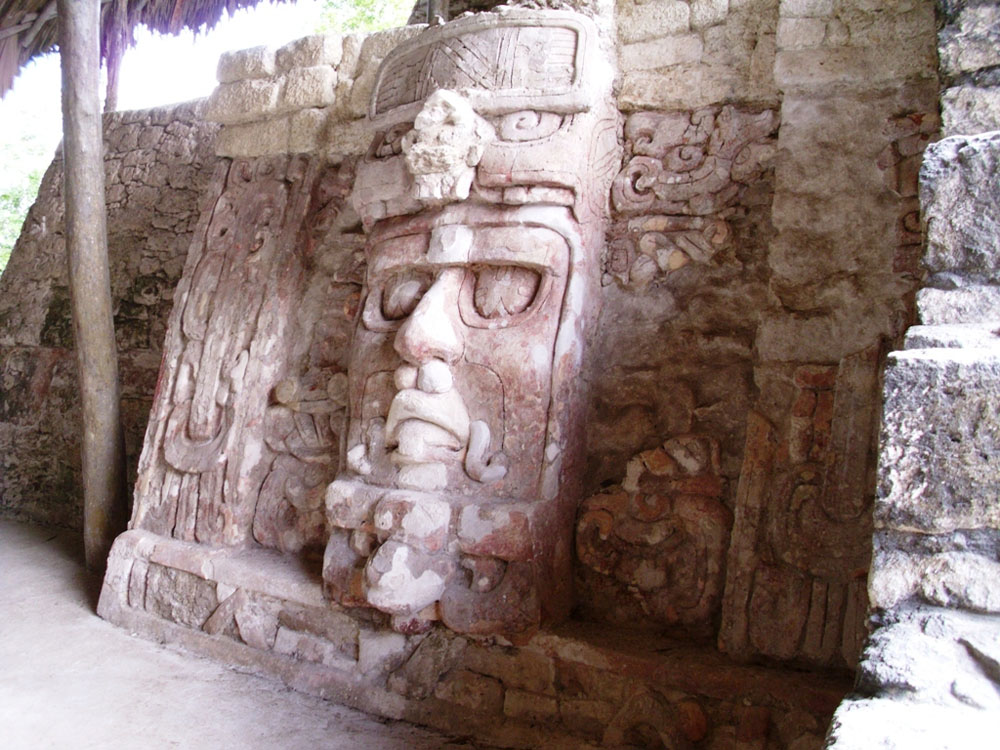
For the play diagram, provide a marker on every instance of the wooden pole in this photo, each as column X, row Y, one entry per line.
column 89, row 278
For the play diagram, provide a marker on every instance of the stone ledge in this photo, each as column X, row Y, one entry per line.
column 969, row 303
column 966, row 110
column 255, row 62
column 953, row 336
column 956, row 579
column 577, row 686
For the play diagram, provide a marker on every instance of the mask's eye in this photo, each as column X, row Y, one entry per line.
column 502, row 291
column 402, row 292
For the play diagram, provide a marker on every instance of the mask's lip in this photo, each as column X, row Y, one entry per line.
column 444, row 410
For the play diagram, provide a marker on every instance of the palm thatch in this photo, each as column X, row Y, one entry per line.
column 28, row 27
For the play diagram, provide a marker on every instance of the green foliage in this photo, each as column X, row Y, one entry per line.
column 343, row 16
column 15, row 200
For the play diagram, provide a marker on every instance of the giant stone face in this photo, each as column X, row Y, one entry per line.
column 483, row 194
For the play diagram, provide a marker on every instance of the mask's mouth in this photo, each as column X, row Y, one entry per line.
column 427, row 427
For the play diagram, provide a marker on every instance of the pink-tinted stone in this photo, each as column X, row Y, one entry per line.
column 485, row 214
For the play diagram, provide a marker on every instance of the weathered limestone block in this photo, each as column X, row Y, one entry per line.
column 905, row 567
column 960, row 197
column 705, row 13
column 869, row 311
column 255, row 62
column 242, row 101
column 937, row 656
column 310, row 51
column 958, row 336
column 661, row 53
column 664, row 66
column 801, row 33
column 464, row 448
column 639, row 21
column 970, row 109
column 971, row 41
column 315, row 86
column 179, row 596
column 481, row 695
column 941, row 439
column 254, row 139
column 806, row 8
column 958, row 302
column 864, row 46
column 891, row 724
column 307, row 129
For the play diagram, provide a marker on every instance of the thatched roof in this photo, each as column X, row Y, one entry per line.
column 28, row 27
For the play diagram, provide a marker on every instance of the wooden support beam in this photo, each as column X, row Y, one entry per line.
column 90, row 280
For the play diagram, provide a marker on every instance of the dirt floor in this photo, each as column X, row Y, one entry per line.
column 70, row 680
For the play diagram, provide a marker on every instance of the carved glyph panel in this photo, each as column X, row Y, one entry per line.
column 801, row 543
column 245, row 424
column 683, row 183
column 657, row 543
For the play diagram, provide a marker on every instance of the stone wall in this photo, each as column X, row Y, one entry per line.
column 928, row 675
column 309, row 96
column 969, row 49
column 157, row 166
column 857, row 81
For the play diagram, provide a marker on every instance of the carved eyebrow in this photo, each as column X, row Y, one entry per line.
column 531, row 247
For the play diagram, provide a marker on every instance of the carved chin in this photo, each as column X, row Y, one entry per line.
column 400, row 580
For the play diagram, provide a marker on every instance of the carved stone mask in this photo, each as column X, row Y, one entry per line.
column 463, row 441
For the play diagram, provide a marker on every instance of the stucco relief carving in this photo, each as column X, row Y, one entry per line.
column 900, row 161
column 250, row 403
column 799, row 553
column 658, row 541
column 683, row 180
column 484, row 194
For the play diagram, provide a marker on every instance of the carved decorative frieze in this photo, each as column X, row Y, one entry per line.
column 800, row 552
column 900, row 163
column 684, row 177
column 484, row 193
column 660, row 538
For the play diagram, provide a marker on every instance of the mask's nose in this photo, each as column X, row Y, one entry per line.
column 432, row 329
